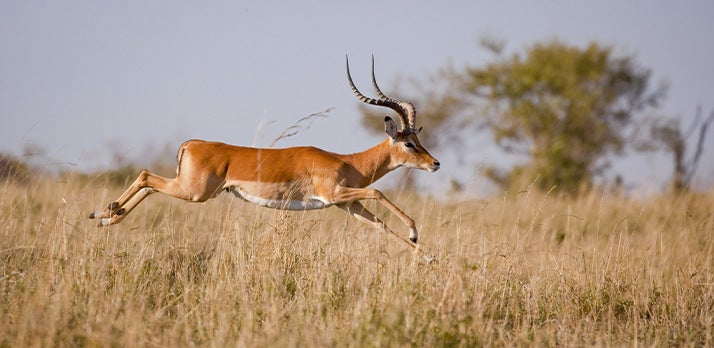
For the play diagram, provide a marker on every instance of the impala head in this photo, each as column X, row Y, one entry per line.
column 406, row 149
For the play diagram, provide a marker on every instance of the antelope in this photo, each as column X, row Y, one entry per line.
column 295, row 178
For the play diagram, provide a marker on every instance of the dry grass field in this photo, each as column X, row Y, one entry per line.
column 524, row 268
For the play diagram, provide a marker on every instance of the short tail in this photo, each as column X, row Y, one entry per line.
column 179, row 156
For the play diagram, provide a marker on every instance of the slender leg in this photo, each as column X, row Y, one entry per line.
column 127, row 207
column 348, row 194
column 116, row 206
column 144, row 185
column 360, row 213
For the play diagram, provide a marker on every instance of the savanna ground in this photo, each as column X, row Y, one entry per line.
column 524, row 268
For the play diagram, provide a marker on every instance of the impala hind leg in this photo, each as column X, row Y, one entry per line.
column 144, row 185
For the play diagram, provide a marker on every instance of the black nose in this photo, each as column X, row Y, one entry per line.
column 436, row 163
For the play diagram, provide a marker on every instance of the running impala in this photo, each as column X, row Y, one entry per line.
column 295, row 178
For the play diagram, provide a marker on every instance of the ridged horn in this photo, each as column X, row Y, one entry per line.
column 408, row 109
column 405, row 110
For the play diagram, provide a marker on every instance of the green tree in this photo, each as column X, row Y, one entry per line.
column 564, row 107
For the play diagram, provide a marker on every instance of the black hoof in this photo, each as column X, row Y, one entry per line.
column 414, row 240
column 120, row 211
column 91, row 215
column 113, row 206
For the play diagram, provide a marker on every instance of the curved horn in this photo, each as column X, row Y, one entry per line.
column 374, row 83
column 408, row 109
column 383, row 101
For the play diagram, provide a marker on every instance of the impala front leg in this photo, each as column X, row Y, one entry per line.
column 360, row 213
column 348, row 194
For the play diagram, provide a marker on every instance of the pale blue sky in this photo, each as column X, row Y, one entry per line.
column 76, row 76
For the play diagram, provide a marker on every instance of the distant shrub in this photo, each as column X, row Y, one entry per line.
column 123, row 175
column 13, row 169
column 117, row 177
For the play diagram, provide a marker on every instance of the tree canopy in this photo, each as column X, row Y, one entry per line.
column 565, row 107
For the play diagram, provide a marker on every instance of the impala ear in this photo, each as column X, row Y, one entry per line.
column 390, row 127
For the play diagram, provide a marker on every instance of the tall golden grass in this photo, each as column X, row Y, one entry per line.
column 523, row 268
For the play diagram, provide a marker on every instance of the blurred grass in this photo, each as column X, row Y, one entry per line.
column 521, row 269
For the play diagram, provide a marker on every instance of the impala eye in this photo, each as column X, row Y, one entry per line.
column 410, row 145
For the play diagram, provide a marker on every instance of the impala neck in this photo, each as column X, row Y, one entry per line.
column 371, row 164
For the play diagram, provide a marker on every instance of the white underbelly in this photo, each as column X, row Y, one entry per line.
column 310, row 203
